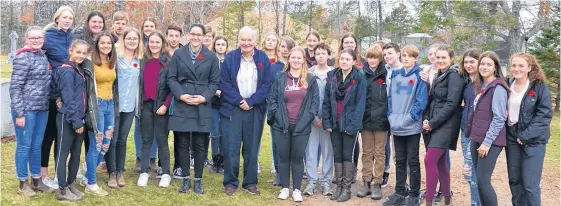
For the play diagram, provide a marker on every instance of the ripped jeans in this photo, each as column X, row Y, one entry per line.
column 468, row 172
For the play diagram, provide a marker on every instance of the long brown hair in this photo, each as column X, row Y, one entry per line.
column 147, row 53
column 96, row 54
column 357, row 50
column 276, row 51
column 478, row 81
column 473, row 53
column 150, row 19
column 303, row 70
column 448, row 49
column 536, row 72
column 138, row 51
column 213, row 45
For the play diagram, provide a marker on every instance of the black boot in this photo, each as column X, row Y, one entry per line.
column 198, row 186
column 338, row 167
column 215, row 164
column 220, row 160
column 348, row 174
column 185, row 185
column 38, row 185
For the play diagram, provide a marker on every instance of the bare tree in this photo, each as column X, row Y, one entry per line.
column 311, row 14
column 284, row 17
column 44, row 11
column 259, row 27
column 276, row 6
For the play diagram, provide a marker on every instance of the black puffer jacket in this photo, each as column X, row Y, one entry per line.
column 376, row 109
column 535, row 116
column 30, row 82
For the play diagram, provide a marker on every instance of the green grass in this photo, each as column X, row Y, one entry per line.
column 151, row 195
column 5, row 69
column 552, row 151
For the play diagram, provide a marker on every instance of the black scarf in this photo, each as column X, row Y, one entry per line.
column 342, row 85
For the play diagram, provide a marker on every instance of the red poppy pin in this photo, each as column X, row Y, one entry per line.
column 272, row 61
column 50, row 66
column 260, row 65
column 380, row 81
column 482, row 91
column 353, row 82
column 135, row 65
column 110, row 66
column 300, row 85
column 200, row 57
column 532, row 93
column 411, row 81
column 326, row 79
column 165, row 64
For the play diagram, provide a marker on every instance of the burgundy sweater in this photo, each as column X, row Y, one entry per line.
column 151, row 75
column 294, row 94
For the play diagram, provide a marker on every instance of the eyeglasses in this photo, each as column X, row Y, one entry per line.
column 196, row 35
column 131, row 39
column 36, row 38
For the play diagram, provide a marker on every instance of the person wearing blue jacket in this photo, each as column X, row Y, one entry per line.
column 245, row 81
column 70, row 81
column 528, row 131
column 342, row 113
column 58, row 37
column 407, row 99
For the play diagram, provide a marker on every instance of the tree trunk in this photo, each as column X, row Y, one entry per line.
column 242, row 17
column 259, row 27
column 338, row 19
column 44, row 11
column 276, row 5
column 120, row 5
column 379, row 21
column 284, row 17
column 224, row 18
column 310, row 15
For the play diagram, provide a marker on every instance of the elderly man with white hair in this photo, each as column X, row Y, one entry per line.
column 245, row 79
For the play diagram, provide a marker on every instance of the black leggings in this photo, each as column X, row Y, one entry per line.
column 484, row 170
column 198, row 142
column 70, row 144
column 50, row 136
column 291, row 150
column 115, row 157
column 152, row 124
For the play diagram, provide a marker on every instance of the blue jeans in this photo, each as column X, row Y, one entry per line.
column 28, row 143
column 470, row 178
column 215, row 133
column 138, row 141
column 96, row 152
column 388, row 153
column 275, row 152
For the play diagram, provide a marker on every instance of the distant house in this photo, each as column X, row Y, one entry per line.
column 367, row 41
column 421, row 40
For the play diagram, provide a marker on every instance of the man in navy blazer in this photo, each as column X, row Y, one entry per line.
column 245, row 79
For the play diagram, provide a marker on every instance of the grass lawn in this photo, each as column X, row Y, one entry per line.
column 552, row 153
column 151, row 195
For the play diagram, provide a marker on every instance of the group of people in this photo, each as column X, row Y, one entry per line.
column 73, row 85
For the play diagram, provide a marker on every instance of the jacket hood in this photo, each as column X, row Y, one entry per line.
column 23, row 50
column 380, row 70
column 413, row 70
column 56, row 30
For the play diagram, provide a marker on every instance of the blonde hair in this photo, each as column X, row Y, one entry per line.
column 59, row 12
column 303, row 70
column 411, row 50
column 276, row 46
column 375, row 51
column 138, row 52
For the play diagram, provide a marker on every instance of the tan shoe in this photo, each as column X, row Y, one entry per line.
column 96, row 190
column 112, row 182
column 37, row 185
column 120, row 179
column 25, row 189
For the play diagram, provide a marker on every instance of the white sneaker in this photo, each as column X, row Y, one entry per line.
column 165, row 180
column 258, row 168
column 55, row 181
column 50, row 183
column 143, row 180
column 79, row 173
column 284, row 193
column 297, row 196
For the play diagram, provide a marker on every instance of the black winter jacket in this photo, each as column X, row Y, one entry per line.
column 277, row 115
column 376, row 107
column 535, row 116
column 91, row 94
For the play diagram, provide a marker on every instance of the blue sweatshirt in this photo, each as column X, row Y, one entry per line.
column 57, row 43
column 407, row 100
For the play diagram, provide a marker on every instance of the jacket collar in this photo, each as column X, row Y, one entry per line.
column 25, row 49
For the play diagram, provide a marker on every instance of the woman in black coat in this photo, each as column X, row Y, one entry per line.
column 193, row 79
column 442, row 122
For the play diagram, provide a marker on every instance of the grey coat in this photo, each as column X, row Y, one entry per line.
column 200, row 78
column 30, row 83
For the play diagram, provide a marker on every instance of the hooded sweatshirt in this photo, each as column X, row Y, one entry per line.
column 407, row 100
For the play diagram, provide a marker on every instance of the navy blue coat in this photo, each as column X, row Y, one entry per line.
column 57, row 43
column 229, row 86
column 353, row 103
column 71, row 84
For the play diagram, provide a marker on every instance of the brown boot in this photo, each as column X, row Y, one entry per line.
column 120, row 179
column 112, row 182
column 25, row 189
column 153, row 165
column 447, row 201
column 137, row 165
column 39, row 186
column 429, row 202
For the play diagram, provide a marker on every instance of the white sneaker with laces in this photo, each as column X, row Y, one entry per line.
column 297, row 196
column 79, row 174
column 284, row 193
column 165, row 180
column 143, row 180
column 50, row 183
